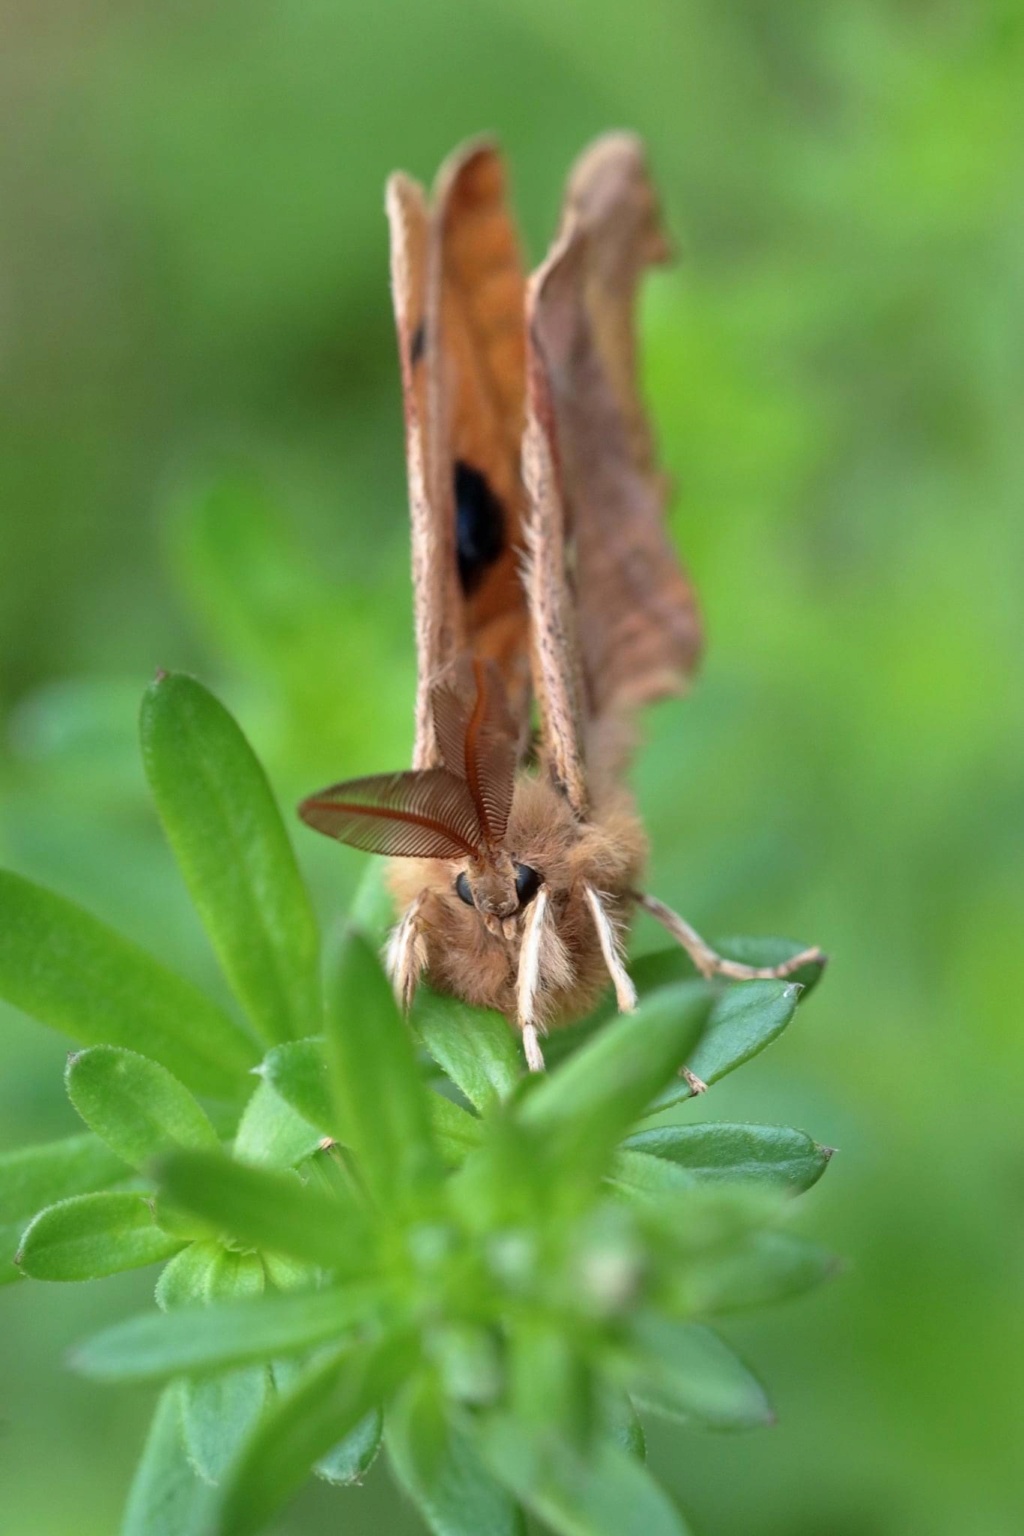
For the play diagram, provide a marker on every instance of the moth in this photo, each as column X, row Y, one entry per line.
column 550, row 606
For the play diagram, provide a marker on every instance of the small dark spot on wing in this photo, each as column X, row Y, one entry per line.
column 418, row 344
column 479, row 525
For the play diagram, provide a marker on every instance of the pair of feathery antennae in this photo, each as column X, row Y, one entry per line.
column 457, row 810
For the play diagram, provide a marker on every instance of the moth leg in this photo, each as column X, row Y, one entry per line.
column 405, row 958
column 528, row 980
column 531, row 1047
column 693, row 1082
column 707, row 960
column 611, row 949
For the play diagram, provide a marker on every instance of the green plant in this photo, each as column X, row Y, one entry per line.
column 390, row 1233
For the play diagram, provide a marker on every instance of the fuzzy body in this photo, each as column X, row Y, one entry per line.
column 467, row 959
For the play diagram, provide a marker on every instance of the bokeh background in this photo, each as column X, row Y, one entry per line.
column 202, row 468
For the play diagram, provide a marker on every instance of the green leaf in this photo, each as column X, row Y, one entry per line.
column 580, row 1110
column 685, row 1372
column 92, row 1235
column 456, row 1131
column 440, row 1468
column 472, row 1046
column 135, row 1105
column 665, row 967
column 373, row 907
column 267, row 1209
column 607, row 1493
column 325, row 1405
column 621, row 1423
column 272, row 1134
column 34, row 1177
column 352, row 1457
column 166, row 1497
column 381, row 1107
column 198, row 1340
column 70, row 971
column 218, row 1412
column 226, row 831
column 776, row 1155
column 297, row 1071
column 183, row 1281
column 747, row 1016
column 770, row 1267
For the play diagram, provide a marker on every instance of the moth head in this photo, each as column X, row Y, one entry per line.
column 499, row 888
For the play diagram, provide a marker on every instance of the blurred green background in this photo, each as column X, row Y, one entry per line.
column 202, row 468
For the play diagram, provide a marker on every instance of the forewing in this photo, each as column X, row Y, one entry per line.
column 638, row 629
column 419, row 815
column 554, row 648
column 437, row 600
column 482, row 376
column 458, row 293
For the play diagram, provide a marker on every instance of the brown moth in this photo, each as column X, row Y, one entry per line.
column 543, row 576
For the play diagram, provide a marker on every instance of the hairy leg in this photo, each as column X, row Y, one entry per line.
column 611, row 948
column 405, row 958
column 707, row 960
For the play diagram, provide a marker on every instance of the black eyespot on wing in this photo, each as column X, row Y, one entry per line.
column 479, row 526
column 418, row 344
column 527, row 884
column 462, row 889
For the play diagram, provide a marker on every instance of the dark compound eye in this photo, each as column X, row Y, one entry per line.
column 527, row 883
column 462, row 889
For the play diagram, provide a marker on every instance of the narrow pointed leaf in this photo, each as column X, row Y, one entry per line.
column 380, row 1101
column 608, row 1493
column 267, row 1209
column 771, row 1267
column 326, row 1404
column 472, row 1046
column 352, row 1457
column 665, row 967
column 184, row 1280
column 456, row 1131
column 373, row 907
column 441, row 1470
column 219, row 1411
column 683, row 1371
column 34, row 1177
column 92, row 1235
column 272, row 1134
column 297, row 1071
column 222, row 821
column 166, row 1498
column 72, row 972
column 135, row 1105
column 747, row 1016
column 776, row 1155
column 198, row 1340
column 582, row 1108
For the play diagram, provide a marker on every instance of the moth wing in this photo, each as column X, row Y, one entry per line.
column 635, row 611
column 554, row 646
column 436, row 604
column 458, row 292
